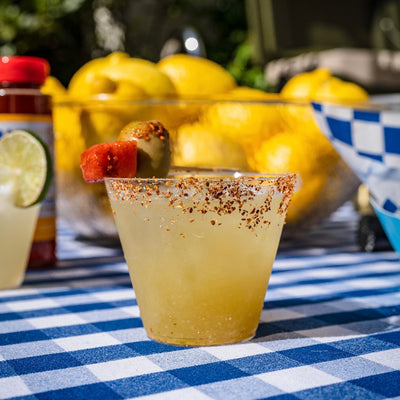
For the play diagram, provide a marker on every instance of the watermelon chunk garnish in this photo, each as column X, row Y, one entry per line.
column 116, row 159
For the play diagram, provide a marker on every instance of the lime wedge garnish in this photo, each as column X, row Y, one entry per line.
column 26, row 154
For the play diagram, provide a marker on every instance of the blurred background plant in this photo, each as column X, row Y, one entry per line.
column 242, row 66
column 70, row 32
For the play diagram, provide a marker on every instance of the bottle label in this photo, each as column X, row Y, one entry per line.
column 42, row 126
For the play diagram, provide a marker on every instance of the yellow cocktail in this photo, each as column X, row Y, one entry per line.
column 200, row 251
column 16, row 232
column 25, row 176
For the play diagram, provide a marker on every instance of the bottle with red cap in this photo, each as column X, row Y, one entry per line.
column 24, row 106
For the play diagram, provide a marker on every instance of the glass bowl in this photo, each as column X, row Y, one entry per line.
column 267, row 136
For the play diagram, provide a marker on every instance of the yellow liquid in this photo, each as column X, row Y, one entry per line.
column 16, row 231
column 199, row 279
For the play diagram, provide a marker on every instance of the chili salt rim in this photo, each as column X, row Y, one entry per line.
column 219, row 194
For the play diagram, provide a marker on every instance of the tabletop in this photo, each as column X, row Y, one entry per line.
column 329, row 329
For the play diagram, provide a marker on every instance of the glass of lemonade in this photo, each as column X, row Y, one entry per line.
column 200, row 249
column 17, row 226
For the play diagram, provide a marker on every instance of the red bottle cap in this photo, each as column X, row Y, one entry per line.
column 23, row 69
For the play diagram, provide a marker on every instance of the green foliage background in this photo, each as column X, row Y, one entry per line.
column 64, row 31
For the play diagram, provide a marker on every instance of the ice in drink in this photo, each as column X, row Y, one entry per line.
column 200, row 251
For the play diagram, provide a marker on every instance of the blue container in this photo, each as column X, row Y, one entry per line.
column 390, row 223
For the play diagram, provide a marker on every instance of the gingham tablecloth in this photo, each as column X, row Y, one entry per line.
column 330, row 329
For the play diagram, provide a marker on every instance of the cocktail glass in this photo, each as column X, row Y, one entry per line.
column 200, row 250
column 17, row 226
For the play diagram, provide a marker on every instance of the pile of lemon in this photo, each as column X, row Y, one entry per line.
column 231, row 126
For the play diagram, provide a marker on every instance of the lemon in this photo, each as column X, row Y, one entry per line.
column 27, row 155
column 171, row 115
column 53, row 87
column 320, row 85
column 84, row 77
column 199, row 146
column 102, row 124
column 290, row 151
column 118, row 67
column 100, row 87
column 129, row 90
column 287, row 152
column 109, row 102
column 303, row 86
column 301, row 89
column 193, row 77
column 248, row 116
column 337, row 90
column 196, row 76
column 101, row 120
column 69, row 143
column 98, row 84
column 306, row 198
column 142, row 73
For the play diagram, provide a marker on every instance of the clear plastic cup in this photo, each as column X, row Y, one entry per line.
column 200, row 250
column 17, row 226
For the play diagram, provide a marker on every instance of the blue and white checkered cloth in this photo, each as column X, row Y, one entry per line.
column 330, row 329
column 369, row 141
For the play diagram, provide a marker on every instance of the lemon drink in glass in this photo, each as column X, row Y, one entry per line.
column 200, row 250
column 199, row 244
column 25, row 175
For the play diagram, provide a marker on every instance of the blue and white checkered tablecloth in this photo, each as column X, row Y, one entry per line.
column 330, row 329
